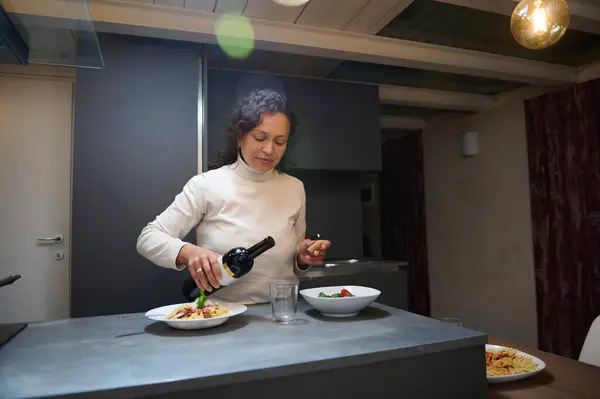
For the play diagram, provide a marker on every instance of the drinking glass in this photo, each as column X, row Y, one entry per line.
column 452, row 320
column 284, row 302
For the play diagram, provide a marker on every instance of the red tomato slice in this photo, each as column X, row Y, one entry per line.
column 345, row 292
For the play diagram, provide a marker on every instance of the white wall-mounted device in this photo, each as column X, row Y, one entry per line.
column 469, row 144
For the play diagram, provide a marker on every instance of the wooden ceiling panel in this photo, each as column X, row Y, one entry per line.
column 231, row 6
column 331, row 14
column 375, row 15
column 268, row 9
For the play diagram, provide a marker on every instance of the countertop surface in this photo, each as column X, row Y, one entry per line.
column 345, row 269
column 123, row 356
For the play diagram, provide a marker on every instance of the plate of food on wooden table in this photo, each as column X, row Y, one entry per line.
column 504, row 364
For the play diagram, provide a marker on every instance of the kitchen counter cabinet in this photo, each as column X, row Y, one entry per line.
column 382, row 353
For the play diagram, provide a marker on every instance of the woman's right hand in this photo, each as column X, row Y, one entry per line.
column 203, row 265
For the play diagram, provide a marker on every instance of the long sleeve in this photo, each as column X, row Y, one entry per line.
column 300, row 230
column 161, row 240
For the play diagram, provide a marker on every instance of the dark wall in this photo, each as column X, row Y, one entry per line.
column 334, row 210
column 403, row 219
column 338, row 125
column 135, row 147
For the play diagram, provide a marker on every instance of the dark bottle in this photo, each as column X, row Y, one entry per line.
column 235, row 263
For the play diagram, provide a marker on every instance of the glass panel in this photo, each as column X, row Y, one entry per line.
column 57, row 32
column 12, row 48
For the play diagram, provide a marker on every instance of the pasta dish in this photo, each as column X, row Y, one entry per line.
column 190, row 311
column 507, row 362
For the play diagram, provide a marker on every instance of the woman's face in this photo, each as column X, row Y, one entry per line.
column 263, row 146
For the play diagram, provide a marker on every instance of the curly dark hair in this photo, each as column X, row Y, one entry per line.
column 246, row 115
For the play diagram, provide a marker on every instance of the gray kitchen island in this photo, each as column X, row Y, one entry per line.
column 381, row 353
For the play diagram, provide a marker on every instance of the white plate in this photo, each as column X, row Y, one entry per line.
column 159, row 314
column 515, row 377
column 340, row 307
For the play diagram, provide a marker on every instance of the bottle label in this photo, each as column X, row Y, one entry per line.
column 226, row 274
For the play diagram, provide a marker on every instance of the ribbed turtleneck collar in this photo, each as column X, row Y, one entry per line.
column 248, row 172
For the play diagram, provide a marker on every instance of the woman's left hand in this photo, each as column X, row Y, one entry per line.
column 312, row 252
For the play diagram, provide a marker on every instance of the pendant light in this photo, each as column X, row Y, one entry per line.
column 538, row 24
column 291, row 3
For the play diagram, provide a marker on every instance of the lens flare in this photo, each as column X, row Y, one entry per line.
column 235, row 35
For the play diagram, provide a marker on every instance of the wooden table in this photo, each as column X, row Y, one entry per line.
column 562, row 378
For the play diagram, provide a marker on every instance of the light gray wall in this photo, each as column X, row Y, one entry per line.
column 481, row 267
column 135, row 147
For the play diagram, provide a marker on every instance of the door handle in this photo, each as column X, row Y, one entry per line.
column 51, row 240
column 9, row 280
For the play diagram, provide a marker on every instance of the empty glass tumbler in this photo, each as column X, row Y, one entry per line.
column 284, row 302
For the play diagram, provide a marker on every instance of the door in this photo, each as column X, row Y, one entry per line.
column 35, row 196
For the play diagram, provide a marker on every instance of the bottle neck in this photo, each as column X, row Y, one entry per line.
column 259, row 248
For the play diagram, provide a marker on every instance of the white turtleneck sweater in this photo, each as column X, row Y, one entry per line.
column 234, row 206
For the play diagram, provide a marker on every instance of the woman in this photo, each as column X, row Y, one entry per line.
column 239, row 204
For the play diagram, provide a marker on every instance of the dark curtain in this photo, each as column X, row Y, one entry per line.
column 402, row 202
column 564, row 164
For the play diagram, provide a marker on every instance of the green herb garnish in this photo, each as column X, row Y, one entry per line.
column 344, row 293
column 201, row 299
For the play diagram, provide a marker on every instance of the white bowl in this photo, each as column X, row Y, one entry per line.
column 340, row 307
column 160, row 314
column 514, row 377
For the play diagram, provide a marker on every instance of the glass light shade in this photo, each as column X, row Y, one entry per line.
column 291, row 3
column 538, row 24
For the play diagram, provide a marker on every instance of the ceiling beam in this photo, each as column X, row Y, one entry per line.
column 584, row 8
column 197, row 26
column 584, row 17
column 430, row 98
column 589, row 72
column 63, row 9
column 61, row 72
